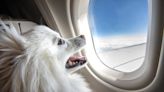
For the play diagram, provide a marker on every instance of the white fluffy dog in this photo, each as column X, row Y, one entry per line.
column 39, row 61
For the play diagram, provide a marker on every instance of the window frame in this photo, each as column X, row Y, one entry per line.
column 141, row 78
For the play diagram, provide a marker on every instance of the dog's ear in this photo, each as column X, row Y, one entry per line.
column 10, row 39
column 11, row 47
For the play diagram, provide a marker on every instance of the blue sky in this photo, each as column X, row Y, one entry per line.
column 118, row 17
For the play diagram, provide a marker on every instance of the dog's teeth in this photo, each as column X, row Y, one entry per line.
column 69, row 62
column 73, row 63
column 76, row 62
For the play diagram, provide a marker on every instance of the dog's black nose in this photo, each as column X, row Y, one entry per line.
column 82, row 36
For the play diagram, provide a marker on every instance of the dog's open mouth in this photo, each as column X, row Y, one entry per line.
column 74, row 61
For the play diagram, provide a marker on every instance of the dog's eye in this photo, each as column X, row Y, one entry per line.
column 61, row 42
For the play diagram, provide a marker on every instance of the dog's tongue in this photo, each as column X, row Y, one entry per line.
column 74, row 61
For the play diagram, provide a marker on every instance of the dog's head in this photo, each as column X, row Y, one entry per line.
column 38, row 60
column 44, row 40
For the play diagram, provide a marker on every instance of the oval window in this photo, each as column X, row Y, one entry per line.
column 119, row 30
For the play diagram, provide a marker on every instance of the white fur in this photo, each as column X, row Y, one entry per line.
column 35, row 63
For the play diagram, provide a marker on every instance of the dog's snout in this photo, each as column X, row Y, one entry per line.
column 82, row 36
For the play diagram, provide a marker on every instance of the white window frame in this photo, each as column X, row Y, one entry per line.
column 136, row 80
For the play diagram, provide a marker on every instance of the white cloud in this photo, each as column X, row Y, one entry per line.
column 119, row 41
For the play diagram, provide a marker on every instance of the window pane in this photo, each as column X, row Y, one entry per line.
column 119, row 30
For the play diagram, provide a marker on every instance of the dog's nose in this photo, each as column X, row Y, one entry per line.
column 82, row 36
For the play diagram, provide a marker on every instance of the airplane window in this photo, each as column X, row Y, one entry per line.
column 119, row 30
